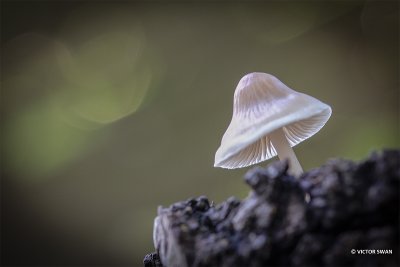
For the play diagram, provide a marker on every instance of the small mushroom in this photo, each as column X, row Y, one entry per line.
column 268, row 119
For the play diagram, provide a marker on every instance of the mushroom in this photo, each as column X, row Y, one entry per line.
column 269, row 119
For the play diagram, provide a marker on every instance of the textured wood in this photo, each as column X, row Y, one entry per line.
column 313, row 221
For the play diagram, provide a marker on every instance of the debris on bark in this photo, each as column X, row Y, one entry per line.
column 343, row 213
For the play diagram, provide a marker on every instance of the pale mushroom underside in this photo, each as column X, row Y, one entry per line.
column 262, row 149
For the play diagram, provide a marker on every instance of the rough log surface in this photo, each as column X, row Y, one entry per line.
column 316, row 220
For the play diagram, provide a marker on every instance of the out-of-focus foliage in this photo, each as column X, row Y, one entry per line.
column 111, row 109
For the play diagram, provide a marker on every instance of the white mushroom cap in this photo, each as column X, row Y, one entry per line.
column 263, row 104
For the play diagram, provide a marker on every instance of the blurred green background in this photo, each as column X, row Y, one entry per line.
column 110, row 109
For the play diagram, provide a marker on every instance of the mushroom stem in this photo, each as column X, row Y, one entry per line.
column 285, row 151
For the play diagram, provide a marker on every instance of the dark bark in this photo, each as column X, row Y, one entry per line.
column 325, row 218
